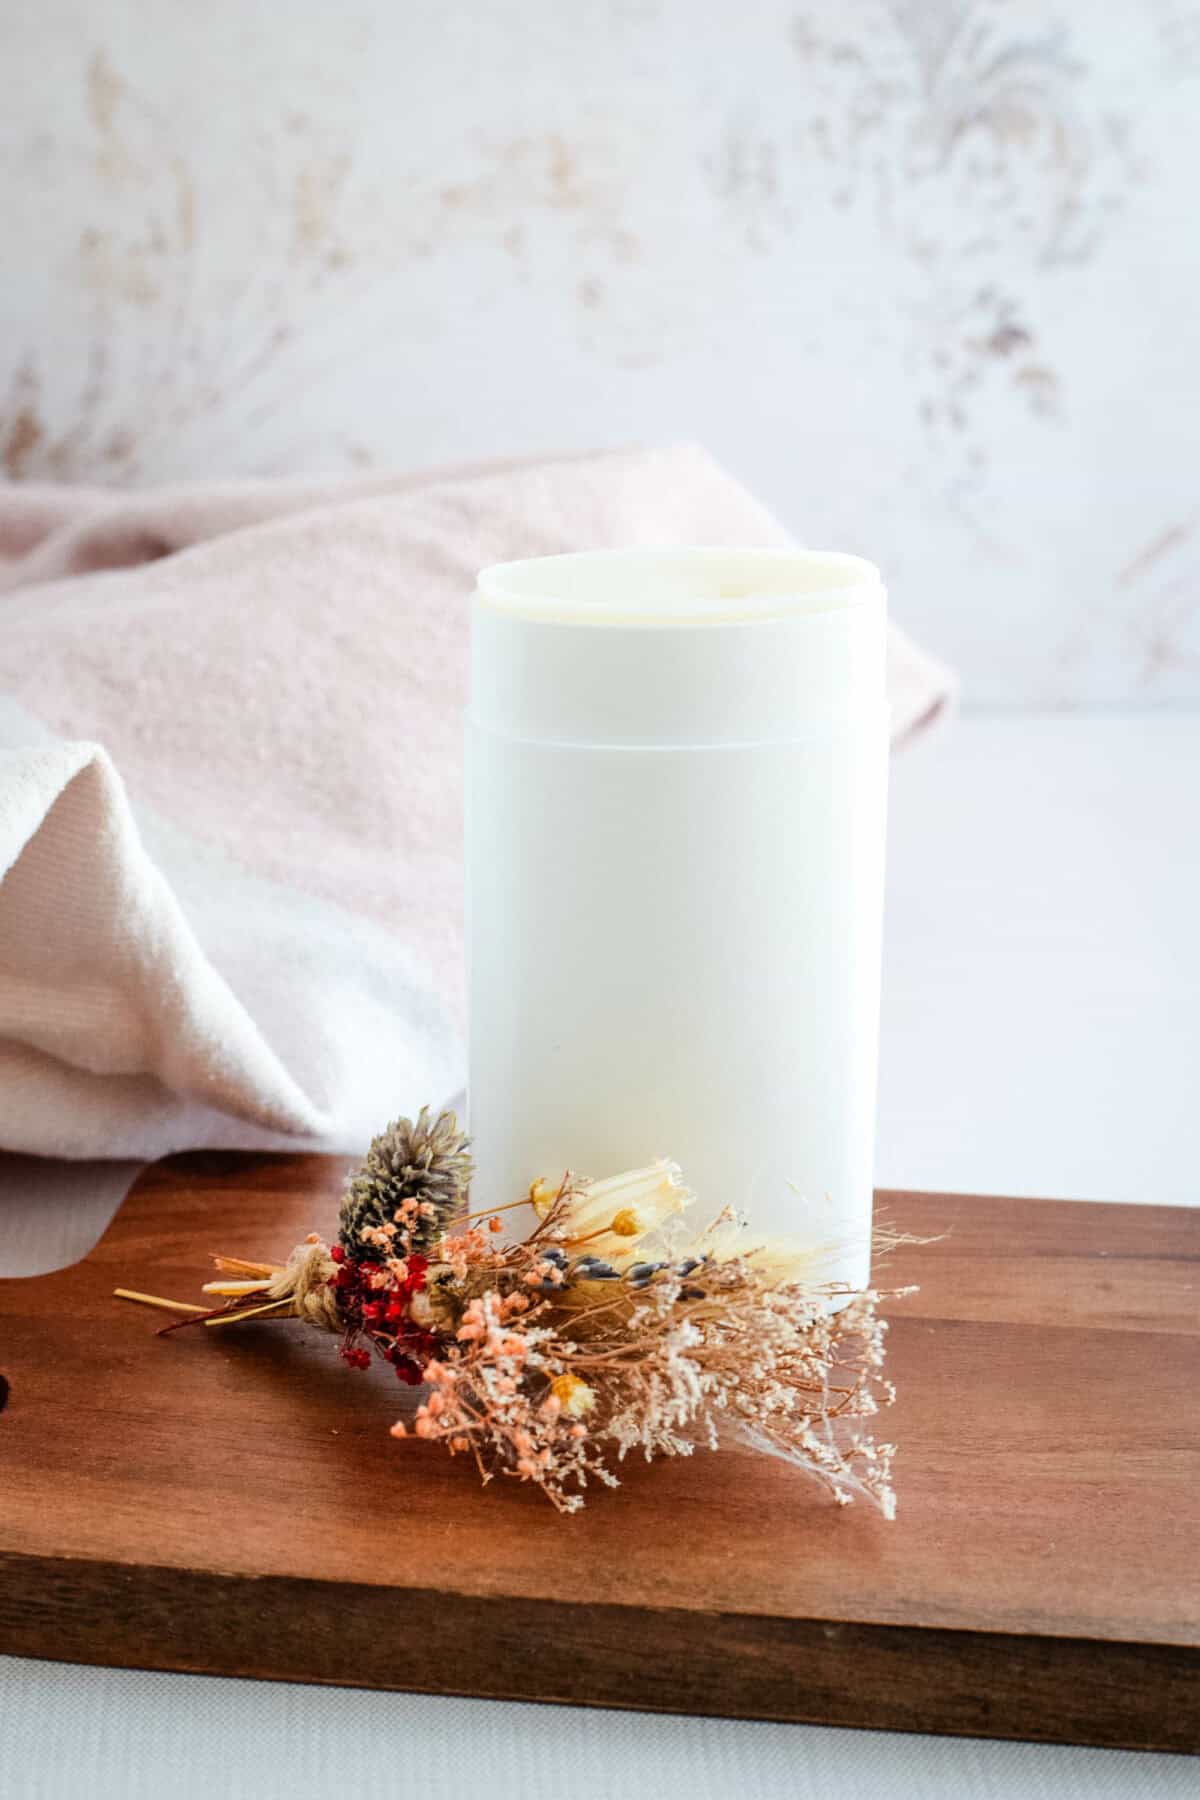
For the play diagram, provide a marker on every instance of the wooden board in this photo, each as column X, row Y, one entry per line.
column 232, row 1502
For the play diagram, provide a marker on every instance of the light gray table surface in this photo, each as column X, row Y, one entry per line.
column 1041, row 1035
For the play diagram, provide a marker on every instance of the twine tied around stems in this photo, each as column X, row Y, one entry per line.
column 304, row 1280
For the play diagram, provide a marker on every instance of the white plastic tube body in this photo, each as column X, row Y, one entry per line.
column 677, row 766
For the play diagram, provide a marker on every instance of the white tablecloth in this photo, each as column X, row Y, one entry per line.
column 1041, row 1035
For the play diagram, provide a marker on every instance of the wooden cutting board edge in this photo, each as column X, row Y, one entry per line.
column 1107, row 1694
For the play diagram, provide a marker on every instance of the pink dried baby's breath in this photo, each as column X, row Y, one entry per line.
column 667, row 1366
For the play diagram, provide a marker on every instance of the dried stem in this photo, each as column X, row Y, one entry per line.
column 179, row 1306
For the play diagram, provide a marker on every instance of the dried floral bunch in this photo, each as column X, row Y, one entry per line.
column 609, row 1329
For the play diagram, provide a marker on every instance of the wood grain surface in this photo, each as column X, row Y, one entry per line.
column 232, row 1502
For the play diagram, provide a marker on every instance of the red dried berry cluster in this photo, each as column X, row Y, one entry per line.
column 380, row 1313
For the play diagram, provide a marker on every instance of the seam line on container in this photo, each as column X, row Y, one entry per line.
column 843, row 729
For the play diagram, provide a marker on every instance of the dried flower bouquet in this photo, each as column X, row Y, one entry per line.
column 610, row 1329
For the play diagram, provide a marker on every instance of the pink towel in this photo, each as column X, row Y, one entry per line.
column 230, row 906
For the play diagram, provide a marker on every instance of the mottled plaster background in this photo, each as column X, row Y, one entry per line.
column 926, row 275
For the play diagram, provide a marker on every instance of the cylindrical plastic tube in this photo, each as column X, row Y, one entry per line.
column 677, row 770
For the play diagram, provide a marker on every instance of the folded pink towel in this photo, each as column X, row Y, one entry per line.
column 230, row 903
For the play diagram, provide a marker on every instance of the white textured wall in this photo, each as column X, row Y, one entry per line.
column 925, row 274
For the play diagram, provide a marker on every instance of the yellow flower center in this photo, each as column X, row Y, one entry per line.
column 542, row 1197
column 574, row 1396
column 626, row 1223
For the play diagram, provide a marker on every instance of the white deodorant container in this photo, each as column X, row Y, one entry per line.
column 677, row 772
